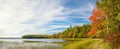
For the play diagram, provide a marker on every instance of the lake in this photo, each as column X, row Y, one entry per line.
column 31, row 43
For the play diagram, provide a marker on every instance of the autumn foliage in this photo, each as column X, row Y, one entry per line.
column 92, row 31
column 113, row 39
column 96, row 19
column 97, row 15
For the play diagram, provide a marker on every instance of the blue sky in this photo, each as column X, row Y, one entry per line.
column 20, row 17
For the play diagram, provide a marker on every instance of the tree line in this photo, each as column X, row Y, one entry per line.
column 35, row 36
column 71, row 32
column 74, row 32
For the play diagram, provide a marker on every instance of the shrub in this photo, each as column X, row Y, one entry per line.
column 113, row 39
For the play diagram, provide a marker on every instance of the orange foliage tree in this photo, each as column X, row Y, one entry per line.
column 96, row 19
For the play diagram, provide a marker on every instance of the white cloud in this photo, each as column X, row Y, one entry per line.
column 14, row 12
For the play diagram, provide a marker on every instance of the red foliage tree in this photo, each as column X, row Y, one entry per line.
column 97, row 15
column 96, row 19
column 92, row 31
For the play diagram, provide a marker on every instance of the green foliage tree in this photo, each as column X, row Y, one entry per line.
column 36, row 36
column 74, row 32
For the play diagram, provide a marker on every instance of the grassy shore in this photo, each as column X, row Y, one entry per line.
column 85, row 43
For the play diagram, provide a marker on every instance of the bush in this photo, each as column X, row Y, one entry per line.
column 113, row 39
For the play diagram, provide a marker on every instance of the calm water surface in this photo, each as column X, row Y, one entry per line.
column 30, row 43
column 34, row 40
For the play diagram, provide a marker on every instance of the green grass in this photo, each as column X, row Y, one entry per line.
column 82, row 44
column 88, row 43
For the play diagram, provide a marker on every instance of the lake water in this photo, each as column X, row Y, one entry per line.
column 33, row 40
column 30, row 43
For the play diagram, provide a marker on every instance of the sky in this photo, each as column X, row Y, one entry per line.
column 21, row 17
